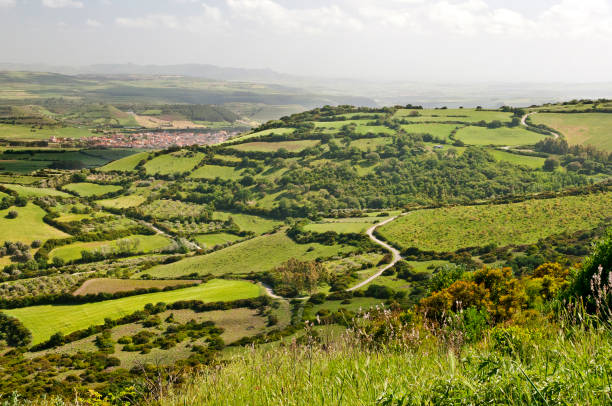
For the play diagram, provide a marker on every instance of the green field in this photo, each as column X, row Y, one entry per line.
column 247, row 222
column 580, row 128
column 122, row 202
column 348, row 225
column 210, row 240
column 530, row 161
column 144, row 243
column 366, row 144
column 176, row 162
column 43, row 321
column 126, row 164
column 87, row 189
column 255, row 255
column 28, row 191
column 459, row 115
column 25, row 133
column 448, row 229
column 107, row 285
column 216, row 171
column 19, row 166
column 498, row 136
column 278, row 131
column 441, row 131
column 291, row 146
column 28, row 226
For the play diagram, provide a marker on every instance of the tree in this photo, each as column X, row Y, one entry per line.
column 301, row 275
column 551, row 164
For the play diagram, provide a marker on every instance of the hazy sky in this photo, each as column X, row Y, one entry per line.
column 463, row 40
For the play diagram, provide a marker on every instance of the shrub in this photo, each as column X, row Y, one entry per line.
column 12, row 214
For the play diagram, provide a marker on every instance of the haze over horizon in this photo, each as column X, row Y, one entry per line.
column 388, row 40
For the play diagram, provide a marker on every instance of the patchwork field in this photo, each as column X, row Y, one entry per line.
column 581, row 128
column 28, row 191
column 247, row 222
column 75, row 317
column 177, row 162
column 498, row 136
column 127, row 164
column 26, row 133
column 448, row 229
column 87, row 189
column 530, row 161
column 216, row 171
column 210, row 240
column 459, row 115
column 291, row 146
column 136, row 243
column 441, row 131
column 255, row 255
column 104, row 285
column 123, row 202
column 28, row 226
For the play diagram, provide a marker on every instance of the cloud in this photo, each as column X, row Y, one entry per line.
column 8, row 3
column 62, row 3
column 93, row 23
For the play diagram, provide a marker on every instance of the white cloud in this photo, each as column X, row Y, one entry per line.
column 149, row 21
column 62, row 3
column 93, row 23
column 8, row 3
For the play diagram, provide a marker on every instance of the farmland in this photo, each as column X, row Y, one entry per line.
column 498, row 136
column 291, row 146
column 27, row 226
column 29, row 191
column 86, row 189
column 580, row 128
column 448, row 229
column 439, row 131
column 75, row 317
column 456, row 115
column 210, row 240
column 246, row 222
column 216, row 171
column 127, row 164
column 123, row 202
column 255, row 255
column 135, row 244
column 173, row 163
column 530, row 161
column 104, row 285
column 22, row 132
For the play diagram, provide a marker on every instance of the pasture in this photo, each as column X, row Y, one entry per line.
column 86, row 189
column 127, row 164
column 26, row 133
column 498, row 136
column 440, row 131
column 29, row 191
column 345, row 225
column 580, row 128
column 456, row 115
column 256, row 255
column 122, row 202
column 176, row 162
column 106, row 285
column 366, row 144
column 448, row 229
column 28, row 226
column 137, row 244
column 291, row 146
column 44, row 321
column 216, row 171
column 247, row 222
column 210, row 240
column 525, row 160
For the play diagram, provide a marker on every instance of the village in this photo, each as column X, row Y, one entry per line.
column 152, row 140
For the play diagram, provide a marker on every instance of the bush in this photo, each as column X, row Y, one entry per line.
column 12, row 214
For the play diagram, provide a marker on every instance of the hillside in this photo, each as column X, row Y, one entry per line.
column 159, row 262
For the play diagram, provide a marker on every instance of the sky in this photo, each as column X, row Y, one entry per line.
column 412, row 40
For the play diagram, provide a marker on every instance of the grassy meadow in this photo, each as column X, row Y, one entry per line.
column 210, row 240
column 122, row 202
column 87, row 189
column 580, row 128
column 256, row 255
column 525, row 160
column 75, row 317
column 127, row 164
column 142, row 243
column 30, row 191
column 28, row 226
column 291, row 146
column 106, row 285
column 216, row 171
column 448, row 229
column 458, row 115
column 176, row 162
column 498, row 136
column 247, row 222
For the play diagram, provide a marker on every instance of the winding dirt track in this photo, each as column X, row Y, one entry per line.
column 396, row 254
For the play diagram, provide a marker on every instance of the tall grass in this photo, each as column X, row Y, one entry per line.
column 552, row 366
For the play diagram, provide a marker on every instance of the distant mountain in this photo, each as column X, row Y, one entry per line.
column 203, row 71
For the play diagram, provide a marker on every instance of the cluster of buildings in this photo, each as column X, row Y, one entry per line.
column 148, row 139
